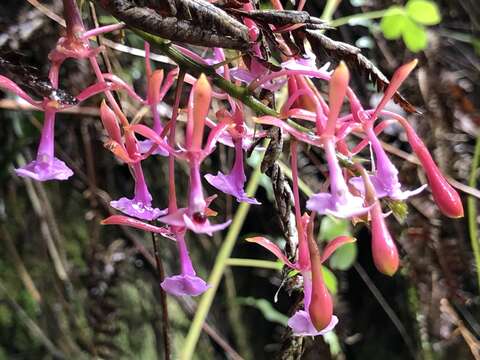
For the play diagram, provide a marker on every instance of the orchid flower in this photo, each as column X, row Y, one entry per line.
column 339, row 202
column 141, row 204
column 156, row 90
column 384, row 250
column 46, row 166
column 233, row 183
column 194, row 217
column 187, row 283
column 301, row 322
column 385, row 180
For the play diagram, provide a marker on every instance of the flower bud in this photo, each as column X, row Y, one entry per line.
column 202, row 95
column 337, row 90
column 154, row 84
column 321, row 306
column 109, row 121
column 384, row 250
column 446, row 197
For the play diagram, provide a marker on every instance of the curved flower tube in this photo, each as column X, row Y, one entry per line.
column 46, row 166
column 187, row 283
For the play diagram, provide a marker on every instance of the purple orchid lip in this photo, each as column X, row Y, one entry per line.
column 233, row 183
column 302, row 325
column 138, row 209
column 184, row 285
column 382, row 190
column 44, row 169
column 145, row 145
column 228, row 184
column 339, row 202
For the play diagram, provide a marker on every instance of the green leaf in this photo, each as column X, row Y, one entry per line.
column 393, row 22
column 331, row 227
column 330, row 280
column 414, row 36
column 399, row 209
column 266, row 308
column 334, row 344
column 424, row 12
column 344, row 257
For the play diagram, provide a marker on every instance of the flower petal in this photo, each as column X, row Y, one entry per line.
column 137, row 209
column 184, row 285
column 301, row 324
column 45, row 170
column 137, row 224
column 334, row 245
column 274, row 249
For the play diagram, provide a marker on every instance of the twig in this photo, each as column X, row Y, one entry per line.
column 19, row 265
column 386, row 307
column 471, row 341
column 31, row 325
column 47, row 12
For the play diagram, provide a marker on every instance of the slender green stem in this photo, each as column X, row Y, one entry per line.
column 239, row 92
column 219, row 266
column 363, row 16
column 263, row 264
column 472, row 210
column 329, row 9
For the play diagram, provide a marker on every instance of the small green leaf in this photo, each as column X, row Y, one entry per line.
column 266, row 308
column 344, row 257
column 331, row 227
column 399, row 209
column 330, row 280
column 424, row 12
column 332, row 340
column 414, row 36
column 393, row 22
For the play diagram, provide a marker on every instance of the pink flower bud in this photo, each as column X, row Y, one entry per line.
column 202, row 95
column 154, row 84
column 109, row 121
column 337, row 91
column 321, row 305
column 446, row 197
column 384, row 250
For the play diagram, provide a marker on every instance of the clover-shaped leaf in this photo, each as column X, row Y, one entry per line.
column 414, row 36
column 393, row 22
column 409, row 23
column 423, row 12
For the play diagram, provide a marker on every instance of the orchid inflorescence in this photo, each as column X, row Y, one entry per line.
column 354, row 193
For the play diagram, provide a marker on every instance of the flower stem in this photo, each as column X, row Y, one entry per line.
column 239, row 92
column 255, row 263
column 219, row 266
column 362, row 16
column 472, row 210
column 163, row 300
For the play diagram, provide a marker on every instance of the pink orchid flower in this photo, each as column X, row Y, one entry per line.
column 233, row 183
column 194, row 217
column 141, row 204
column 339, row 202
column 385, row 180
column 301, row 322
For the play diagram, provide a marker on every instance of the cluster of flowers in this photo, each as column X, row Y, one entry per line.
column 354, row 192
